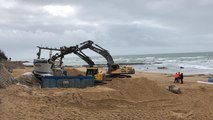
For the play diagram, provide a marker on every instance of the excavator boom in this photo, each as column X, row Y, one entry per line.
column 84, row 57
column 103, row 52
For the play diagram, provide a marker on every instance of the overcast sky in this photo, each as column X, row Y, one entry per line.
column 120, row 26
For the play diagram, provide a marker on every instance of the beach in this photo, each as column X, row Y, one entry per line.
column 106, row 60
column 144, row 96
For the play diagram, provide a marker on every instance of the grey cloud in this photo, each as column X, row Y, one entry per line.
column 143, row 26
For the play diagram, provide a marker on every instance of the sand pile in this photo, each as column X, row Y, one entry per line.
column 19, row 71
column 118, row 99
column 6, row 78
column 138, row 89
column 74, row 72
column 29, row 80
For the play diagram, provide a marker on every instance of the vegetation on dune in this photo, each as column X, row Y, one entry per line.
column 2, row 56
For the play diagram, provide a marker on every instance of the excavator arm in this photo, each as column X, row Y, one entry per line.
column 72, row 49
column 96, row 48
column 63, row 51
column 84, row 57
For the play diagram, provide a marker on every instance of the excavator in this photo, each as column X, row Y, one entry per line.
column 114, row 70
column 90, row 71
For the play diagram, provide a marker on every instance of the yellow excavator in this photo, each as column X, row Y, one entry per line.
column 114, row 70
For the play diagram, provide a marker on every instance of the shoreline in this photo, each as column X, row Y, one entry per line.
column 147, row 67
column 186, row 75
column 138, row 74
column 159, row 71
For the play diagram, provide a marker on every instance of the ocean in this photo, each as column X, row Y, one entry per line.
column 188, row 63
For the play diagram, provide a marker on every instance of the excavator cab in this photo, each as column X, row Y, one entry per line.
column 93, row 71
column 116, row 69
column 127, row 70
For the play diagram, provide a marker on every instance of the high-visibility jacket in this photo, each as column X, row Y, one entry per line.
column 177, row 75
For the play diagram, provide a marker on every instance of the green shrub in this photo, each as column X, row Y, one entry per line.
column 2, row 56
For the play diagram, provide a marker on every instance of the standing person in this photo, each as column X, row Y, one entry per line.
column 181, row 78
column 177, row 76
column 178, row 80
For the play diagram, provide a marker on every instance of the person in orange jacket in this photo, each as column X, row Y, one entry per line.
column 177, row 76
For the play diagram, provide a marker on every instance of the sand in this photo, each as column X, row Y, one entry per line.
column 142, row 97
